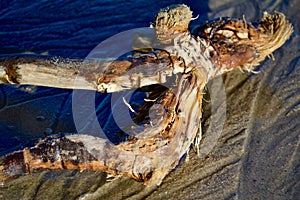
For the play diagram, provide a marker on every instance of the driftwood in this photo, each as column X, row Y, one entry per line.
column 186, row 63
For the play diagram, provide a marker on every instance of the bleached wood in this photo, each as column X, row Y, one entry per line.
column 192, row 60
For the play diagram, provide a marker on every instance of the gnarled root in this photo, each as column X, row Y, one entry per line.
column 220, row 46
column 241, row 44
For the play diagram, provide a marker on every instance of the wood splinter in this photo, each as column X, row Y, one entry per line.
column 188, row 61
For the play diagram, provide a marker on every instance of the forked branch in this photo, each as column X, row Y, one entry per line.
column 186, row 64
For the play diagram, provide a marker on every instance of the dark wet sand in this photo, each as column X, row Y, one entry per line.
column 256, row 157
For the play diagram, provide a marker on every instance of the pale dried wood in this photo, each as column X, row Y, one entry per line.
column 190, row 61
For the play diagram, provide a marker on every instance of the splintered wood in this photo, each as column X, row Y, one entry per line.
column 185, row 65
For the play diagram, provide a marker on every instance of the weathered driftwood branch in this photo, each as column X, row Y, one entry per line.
column 186, row 63
column 246, row 46
column 53, row 72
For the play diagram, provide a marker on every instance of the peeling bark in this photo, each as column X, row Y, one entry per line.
column 186, row 64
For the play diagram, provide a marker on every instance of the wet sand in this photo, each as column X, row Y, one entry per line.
column 256, row 156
